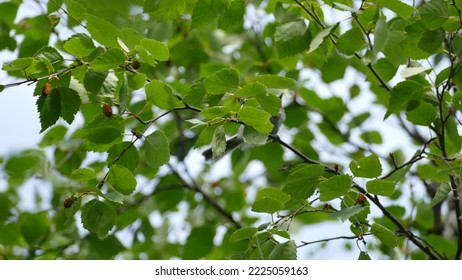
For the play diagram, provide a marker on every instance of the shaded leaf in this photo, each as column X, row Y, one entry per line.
column 98, row 217
column 302, row 182
column 218, row 141
column 243, row 233
column 434, row 13
column 284, row 251
column 292, row 38
column 351, row 41
column 387, row 237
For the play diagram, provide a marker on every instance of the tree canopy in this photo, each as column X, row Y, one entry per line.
column 131, row 92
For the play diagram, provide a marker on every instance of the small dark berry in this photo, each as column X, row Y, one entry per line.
column 361, row 199
column 46, row 89
column 69, row 201
column 107, row 110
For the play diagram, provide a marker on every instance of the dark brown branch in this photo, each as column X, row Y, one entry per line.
column 194, row 187
column 304, row 243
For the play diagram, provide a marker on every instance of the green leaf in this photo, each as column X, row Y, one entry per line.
column 424, row 114
column 155, row 49
column 402, row 9
column 233, row 16
column 196, row 93
column 250, row 90
column 387, row 237
column 380, row 35
column 18, row 64
column 346, row 213
column 163, row 10
column 102, row 31
column 157, row 149
column 102, row 132
column 121, row 179
column 215, row 112
column 302, row 182
column 49, row 55
column 364, row 256
column 98, row 217
column 267, row 205
column 79, row 45
column 111, row 59
column 218, row 141
column 76, row 10
column 49, row 108
column 320, row 37
column 366, row 167
column 381, row 187
column 102, row 83
column 441, row 193
column 243, row 234
column 351, row 41
column 431, row 40
column 70, row 103
column 434, row 13
column 34, row 227
column 151, row 5
column 273, row 193
column 292, row 38
column 254, row 137
column 284, row 251
column 270, row 103
column 276, row 81
column 161, row 95
column 222, row 81
column 2, row 88
column 126, row 154
column 334, row 187
column 130, row 37
column 256, row 118
column 199, row 242
column 83, row 174
column 401, row 94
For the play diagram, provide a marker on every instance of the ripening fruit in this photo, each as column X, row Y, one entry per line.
column 136, row 64
column 69, row 201
column 361, row 199
column 46, row 89
column 107, row 110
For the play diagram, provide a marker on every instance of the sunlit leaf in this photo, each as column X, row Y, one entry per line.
column 366, row 167
column 222, row 81
column 157, row 149
column 122, row 179
column 381, row 187
column 334, row 187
